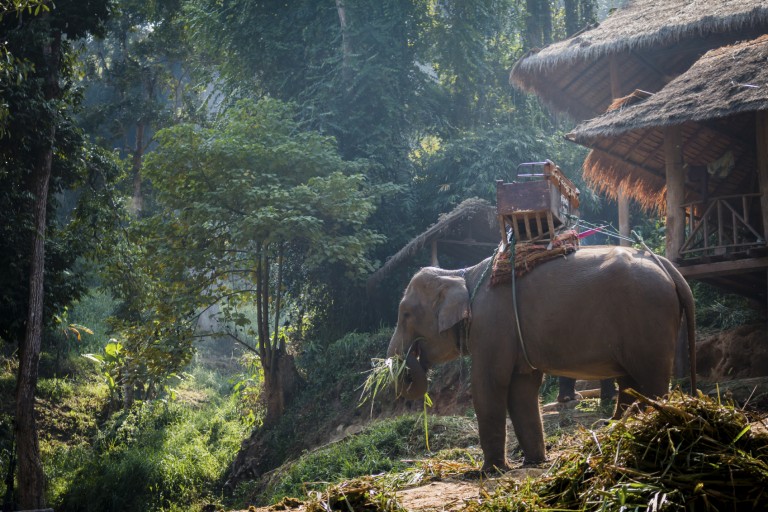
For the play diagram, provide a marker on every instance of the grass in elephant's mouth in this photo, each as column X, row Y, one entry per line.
column 383, row 374
column 386, row 372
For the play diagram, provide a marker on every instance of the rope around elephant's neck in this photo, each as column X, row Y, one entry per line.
column 514, row 306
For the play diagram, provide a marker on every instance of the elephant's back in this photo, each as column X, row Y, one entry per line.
column 592, row 264
column 601, row 281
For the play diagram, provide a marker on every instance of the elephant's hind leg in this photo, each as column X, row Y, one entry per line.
column 654, row 388
column 523, row 406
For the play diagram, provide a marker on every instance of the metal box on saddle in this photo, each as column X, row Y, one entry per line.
column 536, row 208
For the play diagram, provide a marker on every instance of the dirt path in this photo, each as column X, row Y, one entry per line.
column 445, row 495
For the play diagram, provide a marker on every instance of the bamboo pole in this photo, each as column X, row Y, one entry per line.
column 621, row 196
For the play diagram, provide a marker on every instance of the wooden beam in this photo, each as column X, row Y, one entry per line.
column 621, row 196
column 673, row 158
column 467, row 242
column 762, row 166
column 723, row 268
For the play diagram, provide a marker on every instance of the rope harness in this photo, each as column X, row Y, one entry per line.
column 486, row 270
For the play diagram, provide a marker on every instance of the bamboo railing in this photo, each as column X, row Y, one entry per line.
column 722, row 225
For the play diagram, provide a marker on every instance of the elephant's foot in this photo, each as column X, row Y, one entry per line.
column 491, row 469
column 569, row 397
column 527, row 463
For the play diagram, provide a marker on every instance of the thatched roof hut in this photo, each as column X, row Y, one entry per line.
column 640, row 46
column 713, row 103
column 469, row 232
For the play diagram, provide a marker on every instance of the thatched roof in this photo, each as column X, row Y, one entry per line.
column 650, row 41
column 474, row 209
column 713, row 103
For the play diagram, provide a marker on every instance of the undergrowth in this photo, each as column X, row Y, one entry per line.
column 157, row 456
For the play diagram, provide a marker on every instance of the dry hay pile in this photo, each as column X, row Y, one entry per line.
column 687, row 453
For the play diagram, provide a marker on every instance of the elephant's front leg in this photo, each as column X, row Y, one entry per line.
column 489, row 398
column 523, row 404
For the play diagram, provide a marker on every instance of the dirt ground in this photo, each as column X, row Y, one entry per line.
column 740, row 353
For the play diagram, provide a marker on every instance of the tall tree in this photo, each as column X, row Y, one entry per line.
column 578, row 15
column 37, row 116
column 241, row 202
column 137, row 80
column 538, row 24
column 353, row 69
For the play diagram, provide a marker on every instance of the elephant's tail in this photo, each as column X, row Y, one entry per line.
column 685, row 296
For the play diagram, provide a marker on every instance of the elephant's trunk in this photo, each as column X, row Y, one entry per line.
column 413, row 383
column 415, row 380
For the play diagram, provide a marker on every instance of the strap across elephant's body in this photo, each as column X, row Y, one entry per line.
column 467, row 324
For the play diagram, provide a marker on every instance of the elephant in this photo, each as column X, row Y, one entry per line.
column 603, row 312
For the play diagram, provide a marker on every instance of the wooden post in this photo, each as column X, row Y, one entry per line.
column 623, row 217
column 434, row 262
column 622, row 199
column 673, row 157
column 762, row 166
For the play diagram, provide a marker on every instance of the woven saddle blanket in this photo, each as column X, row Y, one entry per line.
column 528, row 255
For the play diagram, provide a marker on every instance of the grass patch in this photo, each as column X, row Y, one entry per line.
column 386, row 446
column 154, row 457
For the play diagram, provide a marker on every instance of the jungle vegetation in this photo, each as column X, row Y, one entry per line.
column 179, row 176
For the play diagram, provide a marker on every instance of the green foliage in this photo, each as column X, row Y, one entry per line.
column 343, row 364
column 110, row 363
column 718, row 311
column 93, row 311
column 247, row 387
column 239, row 202
column 153, row 456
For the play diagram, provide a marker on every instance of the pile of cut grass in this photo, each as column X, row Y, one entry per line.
column 685, row 453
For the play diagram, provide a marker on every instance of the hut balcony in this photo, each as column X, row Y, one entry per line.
column 720, row 228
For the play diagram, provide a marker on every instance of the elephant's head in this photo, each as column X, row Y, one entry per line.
column 431, row 314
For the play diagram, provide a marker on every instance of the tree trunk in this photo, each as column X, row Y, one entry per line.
column 137, row 199
column 588, row 12
column 532, row 37
column 538, row 24
column 345, row 49
column 281, row 385
column 31, row 478
column 572, row 18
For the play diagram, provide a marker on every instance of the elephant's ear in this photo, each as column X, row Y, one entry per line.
column 453, row 303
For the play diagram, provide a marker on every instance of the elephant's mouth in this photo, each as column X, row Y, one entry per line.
column 415, row 379
column 418, row 354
